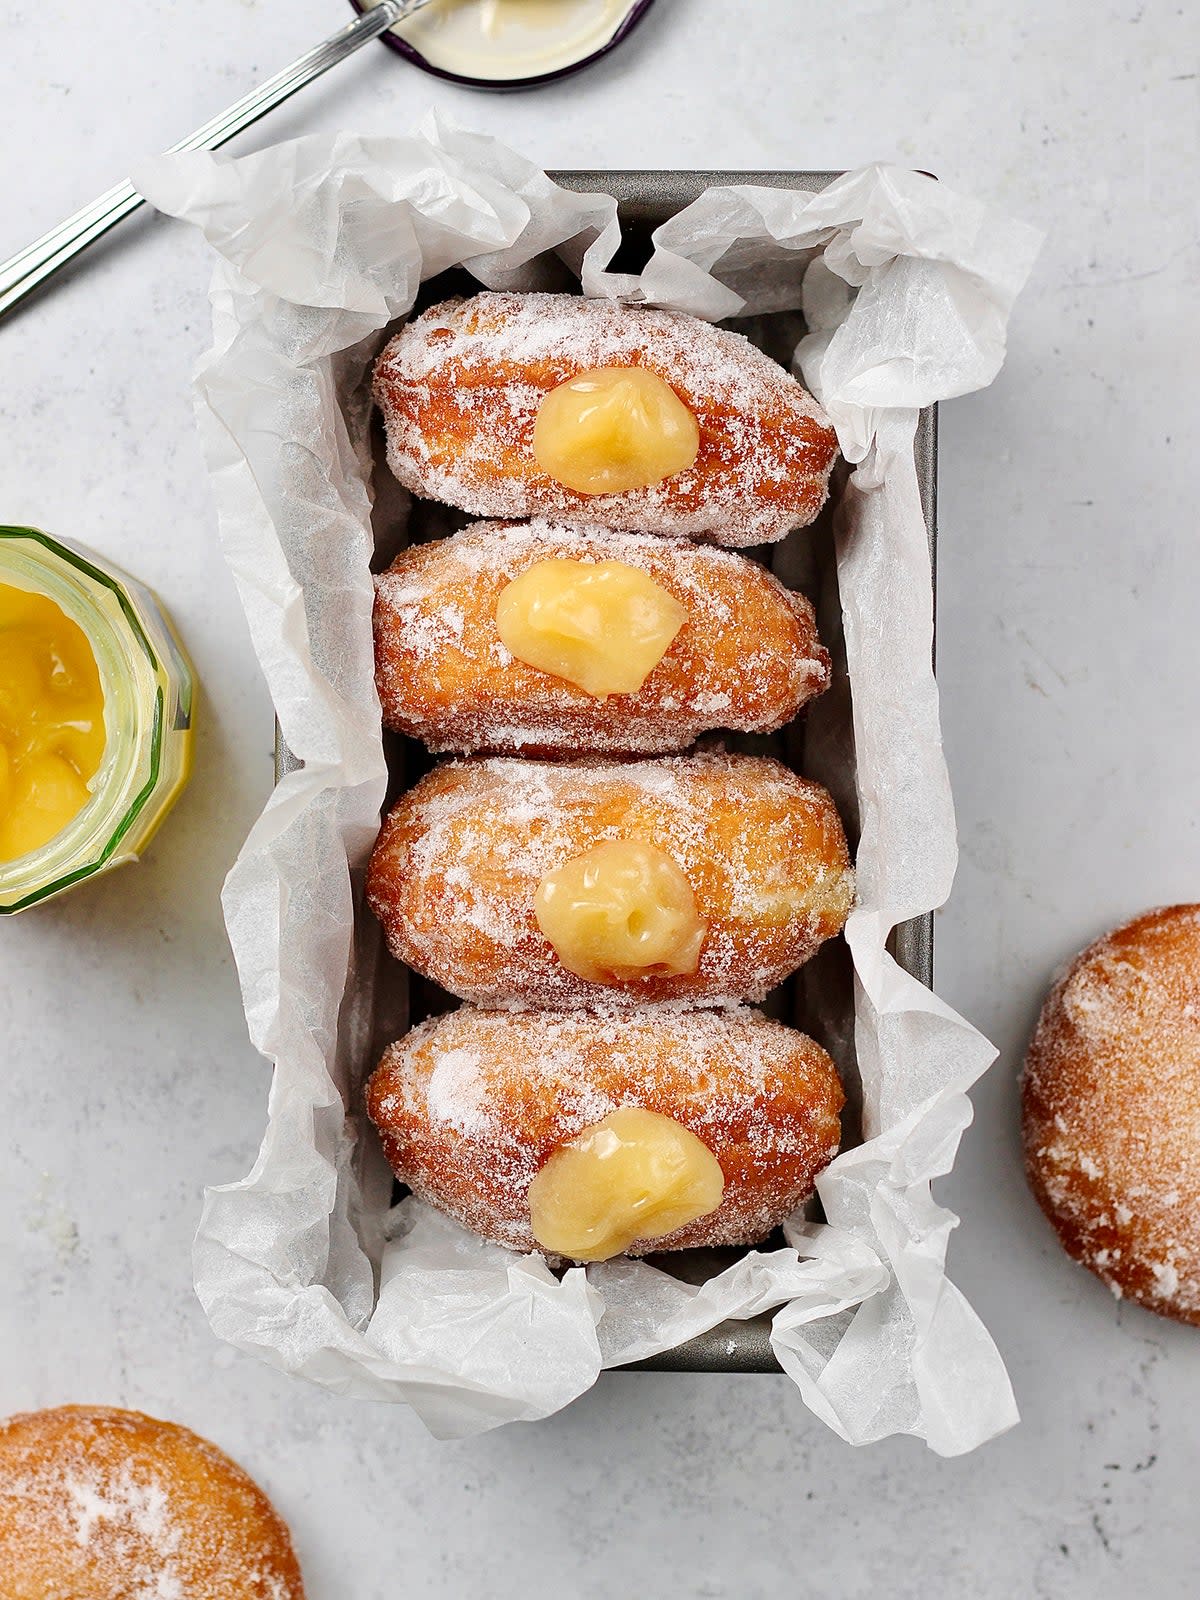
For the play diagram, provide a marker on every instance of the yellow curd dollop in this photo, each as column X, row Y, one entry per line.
column 614, row 429
column 52, row 733
column 635, row 1175
column 603, row 626
column 620, row 911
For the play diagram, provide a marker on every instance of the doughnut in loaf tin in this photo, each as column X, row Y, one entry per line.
column 746, row 658
column 455, row 873
column 459, row 388
column 469, row 1106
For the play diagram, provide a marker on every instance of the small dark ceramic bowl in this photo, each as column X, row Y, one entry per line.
column 636, row 11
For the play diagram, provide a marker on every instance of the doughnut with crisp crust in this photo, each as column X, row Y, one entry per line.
column 460, row 386
column 455, row 872
column 101, row 1504
column 471, row 1105
column 746, row 658
column 1111, row 1110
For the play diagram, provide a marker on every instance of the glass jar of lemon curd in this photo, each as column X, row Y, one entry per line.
column 95, row 716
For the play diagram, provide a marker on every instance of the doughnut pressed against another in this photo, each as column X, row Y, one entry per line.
column 745, row 654
column 463, row 385
column 471, row 1107
column 463, row 872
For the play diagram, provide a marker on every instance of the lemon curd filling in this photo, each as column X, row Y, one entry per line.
column 603, row 626
column 635, row 1175
column 613, row 429
column 622, row 910
column 52, row 732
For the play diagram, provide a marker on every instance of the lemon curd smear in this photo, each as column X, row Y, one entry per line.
column 634, row 1175
column 52, row 732
column 603, row 626
column 613, row 429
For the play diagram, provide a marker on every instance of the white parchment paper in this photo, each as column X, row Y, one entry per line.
column 906, row 288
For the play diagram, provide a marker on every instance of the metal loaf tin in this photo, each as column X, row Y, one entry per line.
column 819, row 998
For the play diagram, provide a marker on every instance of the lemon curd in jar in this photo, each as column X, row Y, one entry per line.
column 633, row 1176
column 614, row 429
column 52, row 732
column 602, row 625
column 95, row 716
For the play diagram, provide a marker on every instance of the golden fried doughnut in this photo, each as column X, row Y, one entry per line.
column 745, row 657
column 99, row 1504
column 1111, row 1109
column 462, row 388
column 466, row 861
column 472, row 1106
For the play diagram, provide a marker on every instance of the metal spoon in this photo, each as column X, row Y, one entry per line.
column 21, row 274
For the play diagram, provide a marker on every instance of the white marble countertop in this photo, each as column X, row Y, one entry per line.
column 1068, row 664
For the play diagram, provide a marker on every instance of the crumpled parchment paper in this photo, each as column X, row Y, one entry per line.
column 906, row 288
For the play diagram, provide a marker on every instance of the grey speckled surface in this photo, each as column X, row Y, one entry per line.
column 1069, row 571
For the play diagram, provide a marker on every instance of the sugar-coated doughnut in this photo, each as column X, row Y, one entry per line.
column 1111, row 1110
column 100, row 1504
column 457, row 873
column 746, row 657
column 472, row 1105
column 460, row 389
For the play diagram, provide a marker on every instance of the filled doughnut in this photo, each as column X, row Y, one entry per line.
column 98, row 1504
column 536, row 638
column 1111, row 1110
column 589, row 1135
column 547, row 405
column 703, row 878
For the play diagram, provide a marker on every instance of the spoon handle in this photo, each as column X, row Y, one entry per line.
column 23, row 273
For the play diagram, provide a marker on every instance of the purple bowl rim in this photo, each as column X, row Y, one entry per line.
column 630, row 21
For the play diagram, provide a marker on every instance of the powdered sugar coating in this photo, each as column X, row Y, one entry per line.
column 471, row 1105
column 456, row 868
column 747, row 658
column 1112, row 1110
column 99, row 1504
column 460, row 386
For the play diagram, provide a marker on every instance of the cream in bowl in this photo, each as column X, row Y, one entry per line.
column 506, row 44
